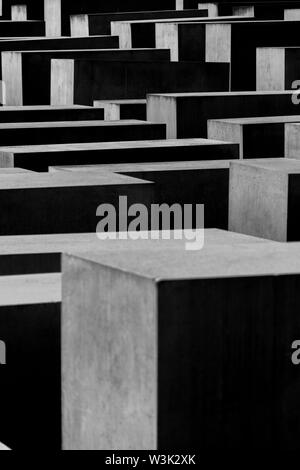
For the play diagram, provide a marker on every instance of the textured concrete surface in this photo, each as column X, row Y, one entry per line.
column 64, row 203
column 264, row 199
column 48, row 113
column 181, row 183
column 85, row 25
column 40, row 157
column 34, row 254
column 277, row 68
column 143, row 370
column 186, row 114
column 10, row 29
column 115, row 110
column 57, row 132
column 292, row 141
column 30, row 380
column 23, row 87
column 142, row 33
column 86, row 79
column 257, row 137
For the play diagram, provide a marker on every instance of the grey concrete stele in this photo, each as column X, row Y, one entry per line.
column 22, row 29
column 65, row 203
column 264, row 199
column 232, row 42
column 27, row 74
column 38, row 254
column 292, row 141
column 167, row 32
column 123, row 109
column 257, row 137
column 199, row 182
column 82, row 81
column 30, row 380
column 64, row 43
column 21, row 114
column 57, row 12
column 89, row 25
column 40, row 157
column 186, row 342
column 59, row 132
column 277, row 68
column 260, row 9
column 186, row 114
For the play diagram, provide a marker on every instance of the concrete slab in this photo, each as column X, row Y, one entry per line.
column 234, row 298
column 205, row 182
column 27, row 74
column 264, row 199
column 61, row 43
column 19, row 13
column 30, row 330
column 57, row 12
column 139, row 33
column 25, row 133
column 48, row 113
column 262, row 10
column 22, row 28
column 40, row 157
column 186, row 114
column 65, row 203
column 257, row 137
column 277, row 68
column 115, row 110
column 292, row 14
column 5, row 172
column 234, row 42
column 70, row 7
column 292, row 141
column 100, row 23
column 34, row 254
column 82, row 81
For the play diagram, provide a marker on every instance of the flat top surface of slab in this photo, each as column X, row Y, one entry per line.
column 260, row 120
column 56, row 124
column 120, row 102
column 192, row 20
column 13, row 171
column 20, row 38
column 228, row 94
column 115, row 145
column 155, row 166
column 64, row 179
column 282, row 165
column 223, row 261
column 65, row 242
column 91, row 51
column 137, row 12
column 30, row 289
column 41, row 108
column 19, row 22
column 280, row 47
column 45, row 38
